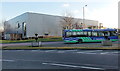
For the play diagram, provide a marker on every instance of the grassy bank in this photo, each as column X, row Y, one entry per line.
column 31, row 40
column 89, row 48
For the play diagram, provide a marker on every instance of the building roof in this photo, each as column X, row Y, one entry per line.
column 46, row 14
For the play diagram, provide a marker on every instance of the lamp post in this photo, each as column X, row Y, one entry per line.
column 84, row 15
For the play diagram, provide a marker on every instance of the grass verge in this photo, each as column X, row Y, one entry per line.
column 31, row 40
column 32, row 48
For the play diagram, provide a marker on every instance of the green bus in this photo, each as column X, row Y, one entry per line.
column 89, row 35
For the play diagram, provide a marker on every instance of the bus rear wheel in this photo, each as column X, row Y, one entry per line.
column 80, row 41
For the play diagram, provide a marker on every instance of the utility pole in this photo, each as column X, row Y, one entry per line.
column 84, row 16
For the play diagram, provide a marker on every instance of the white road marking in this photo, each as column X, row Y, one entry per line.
column 35, row 50
column 109, row 53
column 105, row 53
column 7, row 60
column 73, row 66
column 90, row 51
column 12, row 50
column 61, row 51
column 115, row 52
column 95, row 52
column 50, row 50
column 71, row 50
column 91, row 68
column 0, row 59
column 60, row 65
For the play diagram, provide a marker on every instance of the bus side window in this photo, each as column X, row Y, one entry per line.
column 100, row 34
column 113, row 33
column 85, row 33
column 94, row 33
column 89, row 33
column 68, row 34
column 74, row 33
column 79, row 33
column 107, row 33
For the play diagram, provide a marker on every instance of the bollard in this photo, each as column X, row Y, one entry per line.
column 36, row 44
column 40, row 44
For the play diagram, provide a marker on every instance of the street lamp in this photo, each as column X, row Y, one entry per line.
column 84, row 15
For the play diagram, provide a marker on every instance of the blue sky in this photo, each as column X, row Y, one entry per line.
column 104, row 11
column 12, row 9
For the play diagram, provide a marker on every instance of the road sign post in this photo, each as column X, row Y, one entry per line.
column 36, row 43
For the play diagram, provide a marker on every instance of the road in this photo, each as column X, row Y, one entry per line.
column 61, row 59
column 59, row 44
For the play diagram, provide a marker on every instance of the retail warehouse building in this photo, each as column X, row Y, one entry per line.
column 27, row 24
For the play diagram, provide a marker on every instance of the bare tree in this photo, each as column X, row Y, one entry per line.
column 2, row 22
column 3, row 28
column 6, row 26
column 68, row 21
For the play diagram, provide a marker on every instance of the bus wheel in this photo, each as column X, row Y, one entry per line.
column 80, row 41
column 108, row 38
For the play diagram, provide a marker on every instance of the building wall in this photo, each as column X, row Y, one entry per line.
column 41, row 24
column 12, row 25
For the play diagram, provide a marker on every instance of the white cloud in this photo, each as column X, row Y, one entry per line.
column 98, row 1
column 108, row 15
column 76, row 11
column 66, row 5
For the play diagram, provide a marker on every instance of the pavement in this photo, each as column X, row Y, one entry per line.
column 60, row 44
column 61, row 59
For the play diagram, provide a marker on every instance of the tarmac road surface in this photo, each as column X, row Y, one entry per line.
column 61, row 59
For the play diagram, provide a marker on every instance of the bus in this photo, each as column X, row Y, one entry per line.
column 89, row 35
